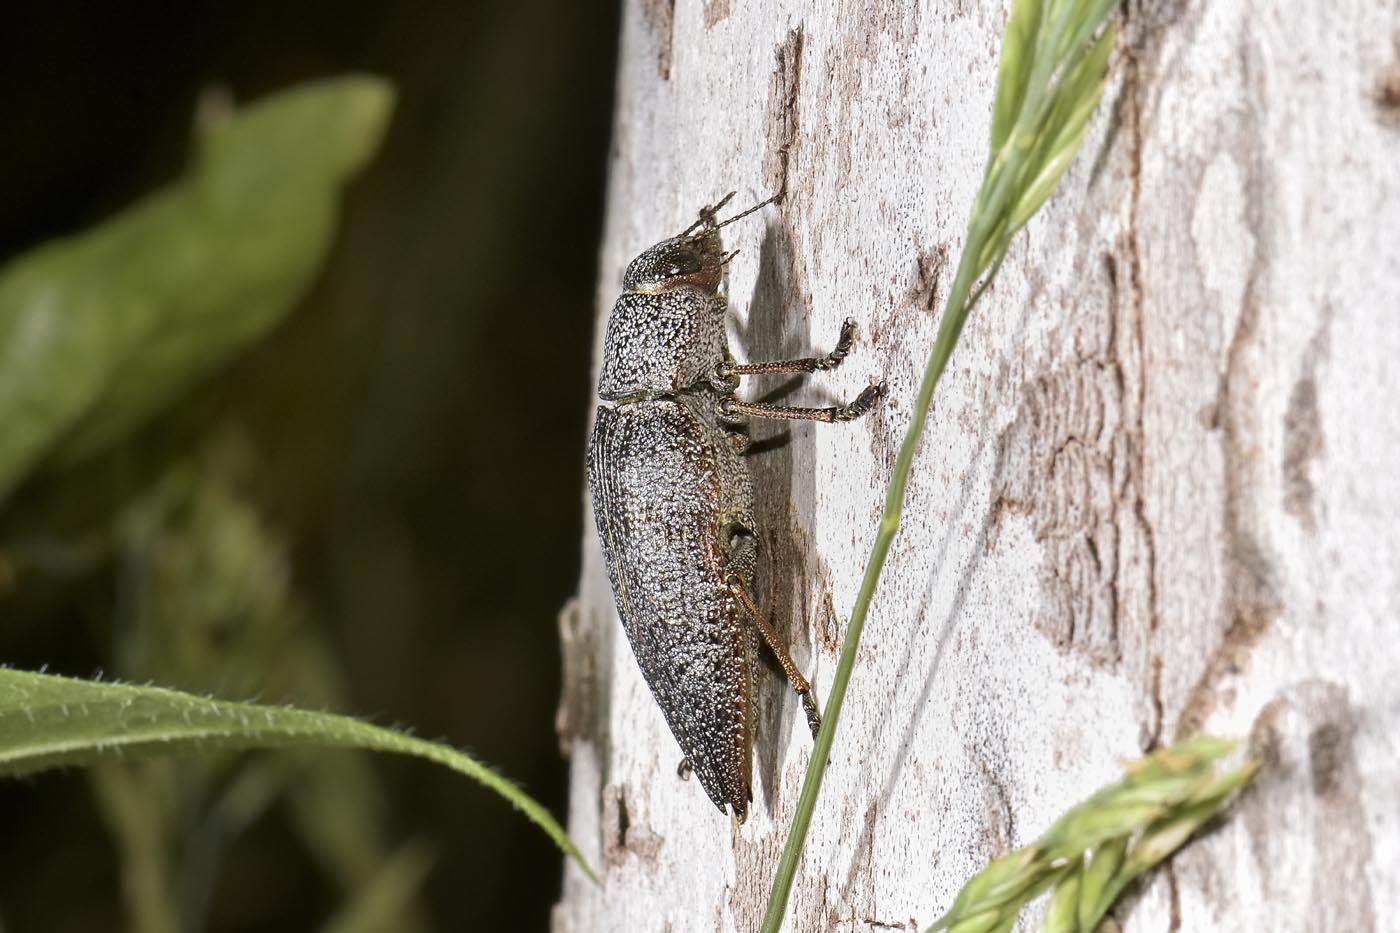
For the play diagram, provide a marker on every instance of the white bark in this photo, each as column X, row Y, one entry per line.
column 1159, row 493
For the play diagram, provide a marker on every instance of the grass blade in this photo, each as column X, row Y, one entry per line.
column 1014, row 70
column 1126, row 828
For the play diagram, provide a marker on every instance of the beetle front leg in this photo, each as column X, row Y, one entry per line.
column 775, row 644
column 808, row 364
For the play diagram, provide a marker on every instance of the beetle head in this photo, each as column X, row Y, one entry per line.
column 695, row 259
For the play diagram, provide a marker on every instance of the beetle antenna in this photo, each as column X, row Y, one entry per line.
column 742, row 214
column 707, row 214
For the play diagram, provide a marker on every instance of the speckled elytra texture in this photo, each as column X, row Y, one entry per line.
column 674, row 509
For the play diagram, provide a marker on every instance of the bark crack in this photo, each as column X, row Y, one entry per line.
column 1134, row 89
column 783, row 118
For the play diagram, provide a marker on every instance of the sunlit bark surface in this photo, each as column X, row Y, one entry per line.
column 1159, row 493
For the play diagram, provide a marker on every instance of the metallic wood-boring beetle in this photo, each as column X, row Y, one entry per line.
column 674, row 504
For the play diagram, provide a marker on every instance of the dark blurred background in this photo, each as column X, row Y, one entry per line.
column 406, row 446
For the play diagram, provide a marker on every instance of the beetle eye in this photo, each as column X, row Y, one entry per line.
column 684, row 263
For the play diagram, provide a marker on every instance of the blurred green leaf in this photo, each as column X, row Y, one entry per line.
column 205, row 602
column 50, row 722
column 1098, row 889
column 1062, row 914
column 99, row 330
column 381, row 904
column 138, row 818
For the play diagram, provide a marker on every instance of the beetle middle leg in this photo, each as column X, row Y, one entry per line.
column 731, row 407
column 775, row 644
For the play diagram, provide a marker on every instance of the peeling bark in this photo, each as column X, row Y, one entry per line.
column 1159, row 490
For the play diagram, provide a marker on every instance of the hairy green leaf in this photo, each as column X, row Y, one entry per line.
column 50, row 722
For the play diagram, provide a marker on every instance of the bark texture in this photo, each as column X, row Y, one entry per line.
column 1159, row 493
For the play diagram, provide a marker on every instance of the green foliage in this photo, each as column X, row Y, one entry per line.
column 204, row 602
column 1049, row 81
column 382, row 904
column 1102, row 845
column 99, row 330
column 51, row 722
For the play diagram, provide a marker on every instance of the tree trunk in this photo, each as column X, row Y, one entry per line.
column 1158, row 494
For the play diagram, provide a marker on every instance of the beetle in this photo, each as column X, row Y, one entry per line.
column 674, row 504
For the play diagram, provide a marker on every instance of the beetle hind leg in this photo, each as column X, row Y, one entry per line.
column 775, row 644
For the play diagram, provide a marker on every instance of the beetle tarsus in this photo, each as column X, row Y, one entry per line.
column 814, row 715
column 863, row 404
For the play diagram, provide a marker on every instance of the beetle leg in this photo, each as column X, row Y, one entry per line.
column 810, row 364
column 684, row 769
column 775, row 644
column 731, row 407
